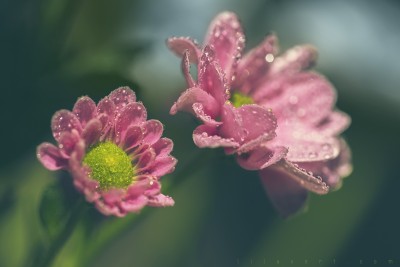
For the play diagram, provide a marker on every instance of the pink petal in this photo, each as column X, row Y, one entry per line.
column 161, row 200
column 85, row 110
column 286, row 195
column 67, row 143
column 92, row 132
column 225, row 36
column 64, row 121
column 200, row 113
column 50, row 156
column 295, row 59
column 134, row 205
column 261, row 157
column 179, row 45
column 112, row 196
column 109, row 210
column 247, row 123
column 255, row 64
column 152, row 131
column 139, row 187
column 185, row 65
column 304, row 178
column 107, row 106
column 163, row 147
column 163, row 166
column 146, row 160
column 306, row 96
column 196, row 95
column 154, row 189
column 122, row 97
column 206, row 136
column 334, row 124
column 133, row 137
column 211, row 77
column 132, row 114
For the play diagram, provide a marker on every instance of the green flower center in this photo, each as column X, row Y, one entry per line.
column 110, row 166
column 239, row 100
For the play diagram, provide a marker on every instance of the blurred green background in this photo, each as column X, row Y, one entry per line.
column 53, row 51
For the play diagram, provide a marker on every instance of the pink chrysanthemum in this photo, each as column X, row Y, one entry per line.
column 307, row 152
column 114, row 154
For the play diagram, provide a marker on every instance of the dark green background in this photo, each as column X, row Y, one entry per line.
column 52, row 52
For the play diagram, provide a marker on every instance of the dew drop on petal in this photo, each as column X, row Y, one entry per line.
column 269, row 58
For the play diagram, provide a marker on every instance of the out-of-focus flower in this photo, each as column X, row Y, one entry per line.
column 114, row 154
column 307, row 152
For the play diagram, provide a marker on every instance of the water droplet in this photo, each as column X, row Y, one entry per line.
column 269, row 58
column 293, row 100
column 312, row 155
column 326, row 147
column 204, row 134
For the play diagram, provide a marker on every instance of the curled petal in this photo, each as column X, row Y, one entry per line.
column 67, row 143
column 286, row 195
column 64, row 121
column 122, row 97
column 261, row 157
column 179, row 45
column 186, row 69
column 225, row 36
column 212, row 77
column 196, row 95
column 255, row 64
column 161, row 200
column 146, row 160
column 304, row 178
column 50, row 156
column 85, row 109
column 198, row 109
column 134, row 205
column 206, row 136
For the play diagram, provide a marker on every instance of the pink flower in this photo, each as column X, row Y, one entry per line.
column 307, row 152
column 114, row 154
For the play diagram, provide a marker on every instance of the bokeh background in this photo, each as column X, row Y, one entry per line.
column 53, row 51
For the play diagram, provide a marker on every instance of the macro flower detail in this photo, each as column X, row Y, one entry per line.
column 115, row 155
column 300, row 148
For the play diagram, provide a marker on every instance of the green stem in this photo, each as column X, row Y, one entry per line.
column 58, row 243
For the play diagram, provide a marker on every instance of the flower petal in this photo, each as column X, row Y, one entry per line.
column 122, row 97
column 185, row 65
column 92, row 132
column 255, row 64
column 304, row 178
column 247, row 122
column 198, row 110
column 132, row 114
column 163, row 166
column 50, row 156
column 334, row 124
column 146, row 160
column 196, row 95
column 261, row 157
column 160, row 200
column 306, row 96
column 133, row 137
column 85, row 110
column 152, row 131
column 179, row 45
column 64, row 121
column 286, row 195
column 134, row 205
column 212, row 77
column 206, row 136
column 295, row 59
column 163, row 147
column 225, row 36
column 67, row 143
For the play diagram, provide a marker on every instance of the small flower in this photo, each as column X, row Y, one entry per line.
column 307, row 153
column 114, row 154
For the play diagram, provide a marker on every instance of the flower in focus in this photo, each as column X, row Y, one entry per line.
column 307, row 153
column 114, row 154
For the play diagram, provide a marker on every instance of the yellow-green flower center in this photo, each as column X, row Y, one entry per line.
column 239, row 99
column 110, row 166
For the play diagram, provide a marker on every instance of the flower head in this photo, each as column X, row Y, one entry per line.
column 114, row 154
column 296, row 146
